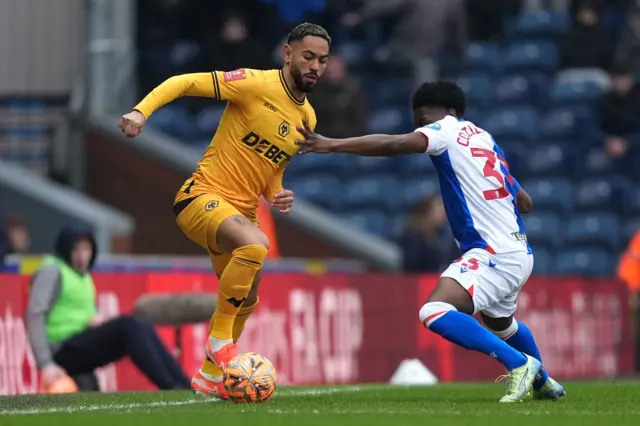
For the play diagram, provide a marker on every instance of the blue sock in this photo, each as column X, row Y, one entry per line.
column 523, row 341
column 465, row 331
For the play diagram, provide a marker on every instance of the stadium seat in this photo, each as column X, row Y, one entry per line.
column 361, row 165
column 475, row 115
column 515, row 90
column 483, row 57
column 548, row 160
column 208, row 119
column 478, row 88
column 565, row 123
column 416, row 165
column 318, row 189
column 391, row 120
column 531, row 56
column 629, row 229
column 394, row 91
column 549, row 194
column 596, row 229
column 585, row 261
column 301, row 165
column 542, row 262
column 543, row 228
column 175, row 121
column 594, row 194
column 514, row 122
column 632, row 202
column 375, row 191
column 540, row 24
column 594, row 163
column 414, row 189
column 374, row 221
column 574, row 93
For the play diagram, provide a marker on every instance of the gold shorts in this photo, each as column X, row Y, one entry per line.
column 199, row 216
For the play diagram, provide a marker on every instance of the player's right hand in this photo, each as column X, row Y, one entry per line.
column 132, row 123
column 51, row 373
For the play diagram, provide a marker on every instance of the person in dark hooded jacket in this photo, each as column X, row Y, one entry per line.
column 61, row 322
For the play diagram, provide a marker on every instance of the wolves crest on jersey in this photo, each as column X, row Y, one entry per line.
column 478, row 190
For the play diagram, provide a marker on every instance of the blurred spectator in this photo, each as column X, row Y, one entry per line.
column 425, row 243
column 619, row 110
column 485, row 19
column 339, row 102
column 419, row 27
column 63, row 330
column 588, row 44
column 234, row 47
column 16, row 233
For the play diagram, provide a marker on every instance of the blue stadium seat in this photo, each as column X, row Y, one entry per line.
column 629, row 229
column 574, row 93
column 483, row 57
column 374, row 221
column 543, row 228
column 548, row 160
column 318, row 189
column 475, row 115
column 390, row 120
column 361, row 165
column 316, row 163
column 594, row 163
column 515, row 152
column 531, row 56
column 515, row 122
column 542, row 262
column 596, row 229
column 208, row 119
column 594, row 194
column 585, row 261
column 416, row 165
column 478, row 88
column 515, row 90
column 549, row 194
column 394, row 91
column 414, row 189
column 375, row 191
column 540, row 24
column 564, row 123
column 632, row 201
column 175, row 121
column 353, row 51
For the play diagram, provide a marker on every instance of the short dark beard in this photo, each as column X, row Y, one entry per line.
column 300, row 84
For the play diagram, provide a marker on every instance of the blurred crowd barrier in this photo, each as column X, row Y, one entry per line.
column 341, row 328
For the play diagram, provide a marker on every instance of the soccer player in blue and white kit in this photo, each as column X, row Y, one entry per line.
column 483, row 202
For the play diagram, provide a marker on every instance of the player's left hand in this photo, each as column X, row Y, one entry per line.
column 283, row 201
column 313, row 142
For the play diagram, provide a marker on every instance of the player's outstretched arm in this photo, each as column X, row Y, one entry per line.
column 524, row 202
column 370, row 145
column 197, row 84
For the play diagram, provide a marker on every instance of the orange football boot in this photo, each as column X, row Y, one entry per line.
column 223, row 356
column 203, row 386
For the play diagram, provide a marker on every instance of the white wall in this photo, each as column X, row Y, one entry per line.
column 41, row 45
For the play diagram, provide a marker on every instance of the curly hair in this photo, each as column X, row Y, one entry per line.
column 444, row 94
column 308, row 29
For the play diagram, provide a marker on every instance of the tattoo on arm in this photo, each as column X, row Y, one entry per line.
column 241, row 220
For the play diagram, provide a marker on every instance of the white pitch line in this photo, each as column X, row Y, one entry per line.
column 102, row 407
column 286, row 392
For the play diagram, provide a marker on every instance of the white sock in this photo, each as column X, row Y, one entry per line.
column 216, row 344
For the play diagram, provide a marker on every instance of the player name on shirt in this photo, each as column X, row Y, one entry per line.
column 478, row 190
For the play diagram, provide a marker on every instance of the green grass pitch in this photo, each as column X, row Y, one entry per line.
column 367, row 405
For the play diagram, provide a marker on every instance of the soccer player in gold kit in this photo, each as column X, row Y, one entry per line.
column 216, row 207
